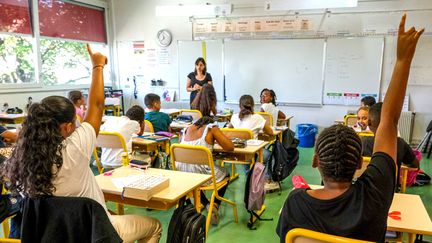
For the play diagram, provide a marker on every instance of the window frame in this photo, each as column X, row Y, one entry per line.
column 38, row 85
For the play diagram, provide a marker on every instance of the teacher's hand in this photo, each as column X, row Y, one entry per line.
column 197, row 87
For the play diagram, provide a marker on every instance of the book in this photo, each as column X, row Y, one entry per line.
column 141, row 186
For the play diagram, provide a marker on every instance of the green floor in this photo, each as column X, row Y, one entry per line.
column 228, row 230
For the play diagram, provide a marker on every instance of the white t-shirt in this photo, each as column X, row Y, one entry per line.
column 273, row 110
column 126, row 127
column 253, row 122
column 75, row 178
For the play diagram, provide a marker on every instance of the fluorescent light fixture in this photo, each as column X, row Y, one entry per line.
column 194, row 10
column 308, row 4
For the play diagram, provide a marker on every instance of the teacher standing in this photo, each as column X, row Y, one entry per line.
column 198, row 78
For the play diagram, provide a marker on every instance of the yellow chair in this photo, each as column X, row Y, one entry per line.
column 114, row 105
column 366, row 134
column 267, row 116
column 196, row 114
column 308, row 236
column 236, row 133
column 112, row 140
column 6, row 228
column 79, row 118
column 350, row 120
column 200, row 155
column 148, row 127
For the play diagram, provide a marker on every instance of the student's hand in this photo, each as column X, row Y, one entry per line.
column 407, row 41
column 196, row 87
column 98, row 60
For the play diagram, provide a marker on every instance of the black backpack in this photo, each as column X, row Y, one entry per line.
column 282, row 162
column 186, row 224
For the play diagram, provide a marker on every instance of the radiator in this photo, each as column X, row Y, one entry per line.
column 406, row 125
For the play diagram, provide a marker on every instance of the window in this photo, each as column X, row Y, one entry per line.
column 64, row 28
column 16, row 44
column 67, row 62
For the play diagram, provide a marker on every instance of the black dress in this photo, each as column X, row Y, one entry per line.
column 194, row 81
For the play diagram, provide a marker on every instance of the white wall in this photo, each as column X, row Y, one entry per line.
column 135, row 20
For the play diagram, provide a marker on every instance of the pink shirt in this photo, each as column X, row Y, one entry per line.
column 79, row 112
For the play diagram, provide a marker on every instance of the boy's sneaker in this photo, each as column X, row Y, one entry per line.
column 271, row 186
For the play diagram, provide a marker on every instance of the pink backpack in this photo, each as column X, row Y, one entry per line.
column 412, row 174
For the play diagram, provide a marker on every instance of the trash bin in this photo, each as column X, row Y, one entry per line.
column 306, row 133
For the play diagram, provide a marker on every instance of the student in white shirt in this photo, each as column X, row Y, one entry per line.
column 52, row 156
column 247, row 119
column 132, row 123
column 268, row 104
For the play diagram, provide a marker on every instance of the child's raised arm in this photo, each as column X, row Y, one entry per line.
column 96, row 100
column 386, row 135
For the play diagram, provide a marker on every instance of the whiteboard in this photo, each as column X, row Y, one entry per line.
column 188, row 52
column 421, row 65
column 292, row 68
column 352, row 69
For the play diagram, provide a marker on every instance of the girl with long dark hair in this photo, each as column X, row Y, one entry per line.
column 51, row 156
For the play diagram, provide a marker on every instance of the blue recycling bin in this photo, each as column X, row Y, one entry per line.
column 306, row 133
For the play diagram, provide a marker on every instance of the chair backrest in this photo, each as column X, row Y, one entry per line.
column 111, row 140
column 366, row 134
column 267, row 116
column 242, row 133
column 148, row 127
column 359, row 172
column 189, row 154
column 308, row 236
column 79, row 118
column 196, row 114
column 350, row 120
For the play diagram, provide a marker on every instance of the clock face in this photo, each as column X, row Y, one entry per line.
column 164, row 38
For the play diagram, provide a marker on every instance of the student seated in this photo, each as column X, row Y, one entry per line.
column 205, row 132
column 367, row 101
column 160, row 121
column 52, row 156
column 132, row 123
column 79, row 102
column 268, row 104
column 247, row 119
column 355, row 209
column 6, row 137
column 205, row 101
column 362, row 119
column 405, row 154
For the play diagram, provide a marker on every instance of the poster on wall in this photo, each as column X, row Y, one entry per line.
column 138, row 58
column 164, row 56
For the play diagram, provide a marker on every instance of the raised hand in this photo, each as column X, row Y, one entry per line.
column 407, row 41
column 98, row 60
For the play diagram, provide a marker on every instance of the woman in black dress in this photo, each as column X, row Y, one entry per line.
column 198, row 78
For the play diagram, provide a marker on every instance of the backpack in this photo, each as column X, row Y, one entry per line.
column 282, row 161
column 254, row 193
column 186, row 224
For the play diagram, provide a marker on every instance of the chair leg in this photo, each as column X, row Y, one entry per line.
column 210, row 212
column 428, row 137
column 120, row 209
column 404, row 180
column 430, row 151
column 5, row 226
column 233, row 204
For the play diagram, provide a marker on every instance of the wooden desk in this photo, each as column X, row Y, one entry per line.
column 177, row 127
column 415, row 218
column 181, row 184
column 12, row 118
column 150, row 145
column 284, row 122
column 223, row 117
column 249, row 150
column 173, row 113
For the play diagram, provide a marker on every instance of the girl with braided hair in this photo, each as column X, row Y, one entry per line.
column 51, row 157
column 355, row 208
column 268, row 104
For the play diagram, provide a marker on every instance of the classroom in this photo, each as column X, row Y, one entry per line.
column 215, row 121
